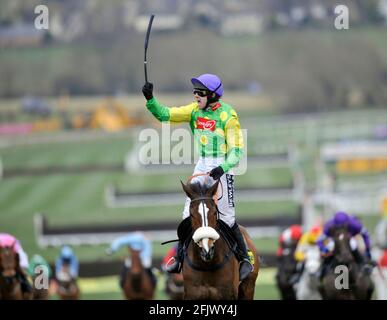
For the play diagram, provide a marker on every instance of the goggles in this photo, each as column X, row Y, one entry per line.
column 201, row 92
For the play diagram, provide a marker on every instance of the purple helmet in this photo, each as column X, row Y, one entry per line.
column 341, row 218
column 210, row 82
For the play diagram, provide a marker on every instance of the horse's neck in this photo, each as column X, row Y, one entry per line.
column 136, row 265
column 343, row 249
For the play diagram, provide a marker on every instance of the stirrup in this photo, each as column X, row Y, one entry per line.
column 245, row 267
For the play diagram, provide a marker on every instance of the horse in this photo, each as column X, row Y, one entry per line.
column 174, row 286
column 359, row 284
column 10, row 284
column 67, row 286
column 210, row 268
column 138, row 283
column 286, row 270
column 307, row 287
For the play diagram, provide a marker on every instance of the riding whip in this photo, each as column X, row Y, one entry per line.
column 146, row 46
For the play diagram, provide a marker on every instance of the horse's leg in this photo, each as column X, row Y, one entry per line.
column 364, row 287
column 247, row 286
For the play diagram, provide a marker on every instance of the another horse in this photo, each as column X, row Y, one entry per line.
column 174, row 286
column 10, row 285
column 360, row 285
column 307, row 287
column 286, row 270
column 210, row 268
column 138, row 283
column 67, row 286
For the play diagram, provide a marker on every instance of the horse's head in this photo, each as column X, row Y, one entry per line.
column 342, row 250
column 9, row 261
column 203, row 212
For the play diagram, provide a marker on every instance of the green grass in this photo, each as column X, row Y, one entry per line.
column 79, row 199
column 106, row 151
column 107, row 288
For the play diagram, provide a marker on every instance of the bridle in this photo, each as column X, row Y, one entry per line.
column 203, row 198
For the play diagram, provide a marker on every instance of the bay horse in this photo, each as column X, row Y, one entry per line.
column 360, row 284
column 67, row 287
column 210, row 268
column 138, row 283
column 10, row 284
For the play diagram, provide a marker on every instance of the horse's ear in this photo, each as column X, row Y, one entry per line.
column 213, row 189
column 187, row 190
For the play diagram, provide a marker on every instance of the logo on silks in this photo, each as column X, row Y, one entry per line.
column 205, row 124
column 230, row 190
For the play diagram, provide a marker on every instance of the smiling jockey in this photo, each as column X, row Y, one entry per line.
column 7, row 240
column 217, row 132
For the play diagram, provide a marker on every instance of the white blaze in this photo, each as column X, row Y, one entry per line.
column 203, row 210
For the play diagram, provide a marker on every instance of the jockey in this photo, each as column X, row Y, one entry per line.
column 7, row 240
column 306, row 242
column 287, row 243
column 308, row 239
column 354, row 227
column 172, row 252
column 289, row 239
column 67, row 259
column 137, row 241
column 217, row 132
column 36, row 261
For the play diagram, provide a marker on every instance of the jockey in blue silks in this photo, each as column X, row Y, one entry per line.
column 137, row 241
column 67, row 258
column 354, row 227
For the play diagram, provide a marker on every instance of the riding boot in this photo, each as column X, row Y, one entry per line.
column 152, row 277
column 297, row 274
column 245, row 266
column 177, row 261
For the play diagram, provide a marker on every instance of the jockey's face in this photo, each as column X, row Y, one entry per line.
column 201, row 97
